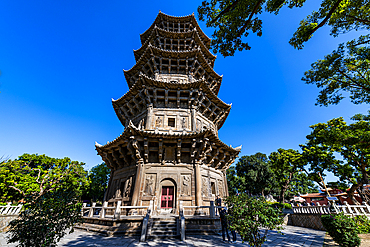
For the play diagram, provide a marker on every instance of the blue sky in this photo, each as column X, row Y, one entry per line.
column 61, row 63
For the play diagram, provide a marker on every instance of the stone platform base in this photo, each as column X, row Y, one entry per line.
column 202, row 225
column 128, row 226
column 131, row 226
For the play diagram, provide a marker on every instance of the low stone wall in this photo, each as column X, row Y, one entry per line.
column 312, row 221
column 128, row 226
column 5, row 219
column 195, row 225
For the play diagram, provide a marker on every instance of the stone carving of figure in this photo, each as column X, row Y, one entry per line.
column 205, row 187
column 149, row 185
column 186, row 185
column 141, row 125
column 220, row 191
column 128, row 187
column 118, row 190
column 199, row 125
column 135, row 145
column 158, row 122
column 183, row 123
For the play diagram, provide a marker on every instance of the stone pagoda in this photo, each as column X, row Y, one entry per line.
column 169, row 150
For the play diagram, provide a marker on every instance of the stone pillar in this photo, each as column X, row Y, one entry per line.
column 137, row 185
column 225, row 182
column 193, row 119
column 149, row 117
column 198, row 185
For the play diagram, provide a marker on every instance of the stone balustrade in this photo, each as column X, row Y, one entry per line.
column 10, row 210
column 346, row 209
column 108, row 212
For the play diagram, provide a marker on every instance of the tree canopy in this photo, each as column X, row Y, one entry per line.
column 344, row 70
column 286, row 164
column 280, row 173
column 350, row 142
column 50, row 189
column 97, row 182
column 32, row 175
column 252, row 175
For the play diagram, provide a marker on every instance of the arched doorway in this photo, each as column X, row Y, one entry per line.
column 167, row 202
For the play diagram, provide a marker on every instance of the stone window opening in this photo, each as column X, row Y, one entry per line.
column 171, row 122
column 213, row 188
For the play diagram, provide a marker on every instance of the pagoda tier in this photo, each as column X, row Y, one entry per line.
column 173, row 41
column 200, row 107
column 176, row 25
column 171, row 149
column 192, row 63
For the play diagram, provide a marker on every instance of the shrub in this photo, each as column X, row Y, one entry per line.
column 363, row 224
column 248, row 215
column 342, row 228
column 45, row 220
column 280, row 205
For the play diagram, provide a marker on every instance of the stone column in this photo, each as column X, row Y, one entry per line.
column 135, row 194
column 198, row 188
column 149, row 117
column 198, row 184
column 193, row 118
column 225, row 182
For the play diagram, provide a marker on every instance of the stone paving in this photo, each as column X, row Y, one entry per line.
column 293, row 236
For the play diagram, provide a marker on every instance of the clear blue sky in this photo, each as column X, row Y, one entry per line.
column 61, row 63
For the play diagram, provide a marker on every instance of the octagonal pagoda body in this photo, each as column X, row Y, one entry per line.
column 169, row 150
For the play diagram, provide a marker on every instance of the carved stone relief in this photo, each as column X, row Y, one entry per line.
column 186, row 185
column 128, row 187
column 158, row 122
column 149, row 185
column 184, row 124
column 220, row 190
column 205, row 187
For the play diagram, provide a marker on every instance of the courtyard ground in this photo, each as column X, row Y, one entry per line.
column 293, row 236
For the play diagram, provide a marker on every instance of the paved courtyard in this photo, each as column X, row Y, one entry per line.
column 293, row 236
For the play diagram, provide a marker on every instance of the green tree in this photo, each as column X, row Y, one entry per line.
column 252, row 217
column 301, row 184
column 50, row 189
column 350, row 142
column 32, row 175
column 98, row 182
column 46, row 220
column 254, row 175
column 286, row 165
column 342, row 70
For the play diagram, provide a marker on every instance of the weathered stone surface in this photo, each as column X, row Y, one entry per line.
column 312, row 221
column 169, row 150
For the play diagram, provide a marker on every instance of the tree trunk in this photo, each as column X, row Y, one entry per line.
column 351, row 193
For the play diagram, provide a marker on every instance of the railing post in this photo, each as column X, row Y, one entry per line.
column 367, row 207
column 117, row 213
column 103, row 208
column 7, row 208
column 182, row 221
column 91, row 211
column 151, row 207
column 348, row 207
column 212, row 208
column 82, row 209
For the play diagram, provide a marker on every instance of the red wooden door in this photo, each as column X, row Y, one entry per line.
column 167, row 197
